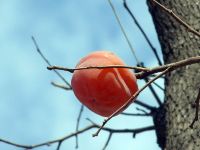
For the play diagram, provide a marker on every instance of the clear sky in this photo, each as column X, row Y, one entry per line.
column 31, row 109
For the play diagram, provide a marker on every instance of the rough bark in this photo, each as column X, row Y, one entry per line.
column 181, row 86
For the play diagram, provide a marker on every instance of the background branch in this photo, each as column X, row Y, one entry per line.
column 78, row 123
column 123, row 31
column 177, row 18
column 47, row 61
column 60, row 140
column 142, row 31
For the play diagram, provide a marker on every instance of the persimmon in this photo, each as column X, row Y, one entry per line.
column 103, row 90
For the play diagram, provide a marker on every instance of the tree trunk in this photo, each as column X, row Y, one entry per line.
column 181, row 86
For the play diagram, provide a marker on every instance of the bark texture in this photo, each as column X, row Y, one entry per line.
column 182, row 85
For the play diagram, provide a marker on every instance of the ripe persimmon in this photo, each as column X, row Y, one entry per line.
column 103, row 90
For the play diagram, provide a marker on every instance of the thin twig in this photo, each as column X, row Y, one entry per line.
column 142, row 74
column 78, row 122
column 177, row 18
column 71, row 70
column 151, row 108
column 59, row 145
column 197, row 110
column 60, row 86
column 141, row 110
column 143, row 33
column 156, row 84
column 129, row 101
column 157, row 98
column 146, row 79
column 123, row 31
column 107, row 141
column 47, row 61
column 137, row 114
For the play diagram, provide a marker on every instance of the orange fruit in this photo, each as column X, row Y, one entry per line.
column 103, row 91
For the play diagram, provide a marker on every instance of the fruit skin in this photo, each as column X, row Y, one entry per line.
column 103, row 90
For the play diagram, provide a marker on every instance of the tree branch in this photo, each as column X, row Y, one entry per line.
column 137, row 114
column 108, row 140
column 144, row 105
column 175, row 65
column 71, row 70
column 170, row 12
column 123, row 31
column 47, row 61
column 144, row 71
column 60, row 86
column 142, row 31
column 60, row 140
column 78, row 122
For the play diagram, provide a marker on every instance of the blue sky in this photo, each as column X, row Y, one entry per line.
column 31, row 109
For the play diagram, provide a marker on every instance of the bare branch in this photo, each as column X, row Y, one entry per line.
column 130, row 101
column 47, row 61
column 175, row 65
column 145, row 71
column 137, row 114
column 146, row 79
column 59, row 145
column 60, row 86
column 123, row 31
column 78, row 122
column 143, row 33
column 60, row 140
column 144, row 105
column 48, row 143
column 161, row 88
column 141, row 110
column 144, row 129
column 170, row 12
column 71, row 70
column 108, row 140
column 197, row 110
column 157, row 98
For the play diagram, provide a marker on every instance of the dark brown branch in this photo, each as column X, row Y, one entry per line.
column 146, row 71
column 143, row 130
column 137, row 114
column 123, row 31
column 197, row 110
column 161, row 88
column 144, row 105
column 175, row 65
column 170, row 12
column 108, row 140
column 60, row 86
column 48, row 143
column 146, row 79
column 59, row 145
column 47, row 61
column 78, row 122
column 143, row 33
column 129, row 101
column 157, row 98
column 71, row 70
